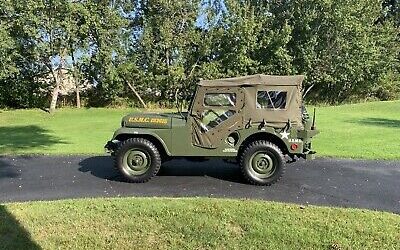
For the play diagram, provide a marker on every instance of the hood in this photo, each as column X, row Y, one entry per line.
column 148, row 120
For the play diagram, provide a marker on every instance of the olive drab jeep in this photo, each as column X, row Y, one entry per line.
column 257, row 121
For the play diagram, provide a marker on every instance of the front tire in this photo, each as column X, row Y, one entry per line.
column 262, row 163
column 138, row 160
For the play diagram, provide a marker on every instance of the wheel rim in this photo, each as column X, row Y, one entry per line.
column 262, row 166
column 136, row 162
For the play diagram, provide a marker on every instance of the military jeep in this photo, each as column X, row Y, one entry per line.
column 256, row 121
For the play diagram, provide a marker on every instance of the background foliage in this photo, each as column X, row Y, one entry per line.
column 348, row 50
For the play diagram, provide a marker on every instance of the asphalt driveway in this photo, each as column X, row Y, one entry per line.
column 332, row 182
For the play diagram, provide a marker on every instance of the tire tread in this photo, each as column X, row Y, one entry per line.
column 265, row 144
column 151, row 146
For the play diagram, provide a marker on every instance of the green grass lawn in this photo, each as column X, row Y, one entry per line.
column 195, row 223
column 68, row 131
column 366, row 130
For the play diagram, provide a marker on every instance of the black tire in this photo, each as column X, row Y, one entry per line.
column 138, row 160
column 262, row 163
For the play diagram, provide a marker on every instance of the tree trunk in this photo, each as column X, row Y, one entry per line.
column 78, row 98
column 59, row 78
column 76, row 78
column 54, row 98
column 56, row 90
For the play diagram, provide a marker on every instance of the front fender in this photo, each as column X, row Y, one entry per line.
column 123, row 133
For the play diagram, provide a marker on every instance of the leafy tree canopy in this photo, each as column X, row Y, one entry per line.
column 348, row 50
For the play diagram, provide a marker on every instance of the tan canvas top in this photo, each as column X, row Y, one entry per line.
column 258, row 79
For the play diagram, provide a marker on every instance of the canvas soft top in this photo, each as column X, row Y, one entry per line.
column 258, row 79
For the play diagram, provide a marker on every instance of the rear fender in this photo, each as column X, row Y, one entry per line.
column 270, row 136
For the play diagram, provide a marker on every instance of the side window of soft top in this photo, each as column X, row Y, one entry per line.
column 271, row 99
column 220, row 99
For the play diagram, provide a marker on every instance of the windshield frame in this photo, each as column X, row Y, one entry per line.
column 194, row 95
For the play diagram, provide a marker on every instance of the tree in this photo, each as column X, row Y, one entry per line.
column 339, row 46
column 76, row 36
column 107, row 31
column 78, row 43
column 8, row 47
column 166, row 36
column 39, row 27
column 7, row 53
column 347, row 49
column 247, row 41
column 391, row 11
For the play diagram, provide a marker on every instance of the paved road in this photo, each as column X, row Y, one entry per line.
column 345, row 183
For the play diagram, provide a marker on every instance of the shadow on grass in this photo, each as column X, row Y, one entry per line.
column 380, row 122
column 12, row 234
column 16, row 138
column 102, row 167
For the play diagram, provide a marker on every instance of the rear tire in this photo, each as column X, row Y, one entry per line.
column 262, row 163
column 138, row 160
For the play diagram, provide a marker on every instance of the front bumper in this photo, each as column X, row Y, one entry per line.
column 112, row 146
